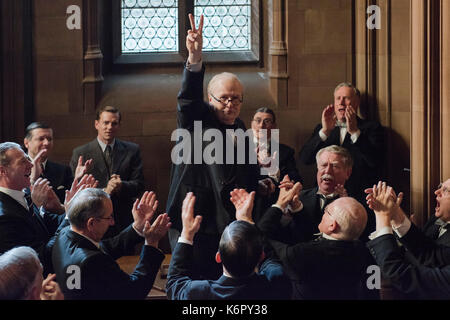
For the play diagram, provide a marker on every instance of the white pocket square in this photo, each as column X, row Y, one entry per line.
column 60, row 187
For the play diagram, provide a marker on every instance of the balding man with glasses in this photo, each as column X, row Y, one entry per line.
column 212, row 182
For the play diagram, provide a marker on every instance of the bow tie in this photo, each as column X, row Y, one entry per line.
column 328, row 197
column 341, row 124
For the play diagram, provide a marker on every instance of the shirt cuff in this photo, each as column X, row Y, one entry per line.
column 297, row 210
column 194, row 67
column 322, row 135
column 354, row 137
column 138, row 232
column 403, row 228
column 183, row 240
column 381, row 232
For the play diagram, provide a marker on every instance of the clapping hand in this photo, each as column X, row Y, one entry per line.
column 51, row 289
column 328, row 119
column 36, row 170
column 243, row 202
column 350, row 119
column 82, row 168
column 144, row 209
column 191, row 224
column 154, row 232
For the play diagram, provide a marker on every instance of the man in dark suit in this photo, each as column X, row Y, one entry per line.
column 429, row 276
column 21, row 222
column 341, row 126
column 85, row 266
column 116, row 164
column 240, row 251
column 39, row 143
column 334, row 167
column 211, row 182
column 263, row 123
column 334, row 265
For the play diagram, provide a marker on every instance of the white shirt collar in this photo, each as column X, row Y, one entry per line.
column 97, row 244
column 328, row 237
column 103, row 145
column 17, row 195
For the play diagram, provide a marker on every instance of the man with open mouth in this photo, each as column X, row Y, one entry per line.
column 341, row 126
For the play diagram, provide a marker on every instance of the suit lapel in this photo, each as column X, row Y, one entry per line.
column 97, row 155
column 14, row 208
column 119, row 153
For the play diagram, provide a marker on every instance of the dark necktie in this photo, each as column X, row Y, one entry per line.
column 35, row 215
column 108, row 158
column 29, row 202
column 327, row 200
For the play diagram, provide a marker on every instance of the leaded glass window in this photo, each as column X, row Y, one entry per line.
column 226, row 24
column 149, row 26
column 152, row 26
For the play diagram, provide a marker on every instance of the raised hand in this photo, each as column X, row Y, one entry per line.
column 87, row 181
column 328, row 119
column 243, row 202
column 144, row 209
column 191, row 224
column 286, row 196
column 381, row 199
column 39, row 192
column 350, row 119
column 36, row 170
column 51, row 289
column 81, row 168
column 194, row 40
column 154, row 232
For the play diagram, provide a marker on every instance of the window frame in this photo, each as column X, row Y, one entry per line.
column 184, row 8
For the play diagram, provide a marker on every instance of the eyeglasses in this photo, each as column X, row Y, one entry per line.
column 223, row 100
column 266, row 121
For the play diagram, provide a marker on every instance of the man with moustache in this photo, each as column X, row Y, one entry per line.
column 334, row 167
column 341, row 126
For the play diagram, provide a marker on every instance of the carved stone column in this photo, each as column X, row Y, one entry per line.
column 93, row 57
column 425, row 99
column 278, row 55
column 445, row 90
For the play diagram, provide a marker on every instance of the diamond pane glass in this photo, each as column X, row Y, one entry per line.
column 149, row 26
column 226, row 24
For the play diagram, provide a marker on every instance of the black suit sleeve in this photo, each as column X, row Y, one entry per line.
column 424, row 249
column 314, row 144
column 122, row 244
column 106, row 279
column 191, row 106
column 179, row 276
column 409, row 278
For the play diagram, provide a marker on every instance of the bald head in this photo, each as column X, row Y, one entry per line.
column 351, row 217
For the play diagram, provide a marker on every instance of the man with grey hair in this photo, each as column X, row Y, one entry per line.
column 211, row 183
column 334, row 167
column 341, row 126
column 85, row 264
column 21, row 222
column 332, row 266
column 21, row 277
